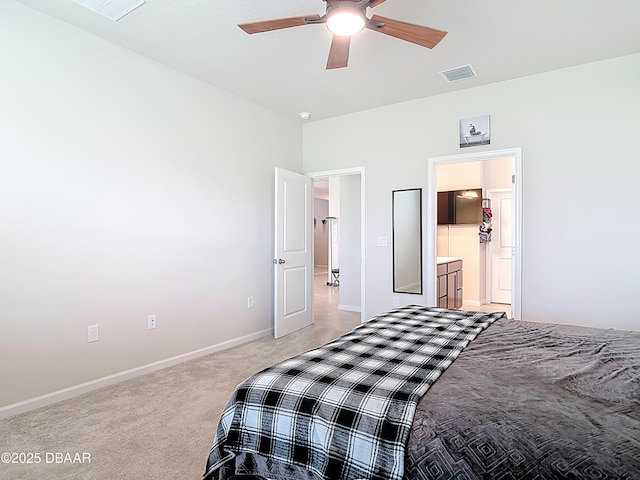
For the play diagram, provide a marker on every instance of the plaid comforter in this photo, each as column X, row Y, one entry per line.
column 344, row 410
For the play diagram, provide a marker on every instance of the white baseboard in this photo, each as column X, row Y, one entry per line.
column 349, row 308
column 70, row 392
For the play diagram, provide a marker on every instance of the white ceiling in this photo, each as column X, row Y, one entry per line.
column 284, row 70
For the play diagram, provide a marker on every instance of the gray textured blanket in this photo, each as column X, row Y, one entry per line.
column 523, row 401
column 529, row 400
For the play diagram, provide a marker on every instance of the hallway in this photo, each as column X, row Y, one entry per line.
column 325, row 305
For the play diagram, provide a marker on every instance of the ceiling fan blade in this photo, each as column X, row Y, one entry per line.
column 277, row 24
column 339, row 52
column 375, row 3
column 423, row 36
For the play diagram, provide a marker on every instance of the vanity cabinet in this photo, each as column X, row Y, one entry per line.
column 449, row 282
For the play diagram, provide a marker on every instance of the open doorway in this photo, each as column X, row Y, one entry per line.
column 490, row 265
column 339, row 242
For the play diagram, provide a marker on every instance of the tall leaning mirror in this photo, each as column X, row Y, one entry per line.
column 407, row 240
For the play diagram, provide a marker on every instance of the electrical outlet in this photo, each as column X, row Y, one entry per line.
column 151, row 322
column 250, row 303
column 93, row 333
column 396, row 301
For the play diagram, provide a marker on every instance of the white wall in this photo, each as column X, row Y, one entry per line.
column 581, row 165
column 126, row 189
column 350, row 254
column 334, row 223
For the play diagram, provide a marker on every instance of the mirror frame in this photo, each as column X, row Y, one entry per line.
column 394, row 220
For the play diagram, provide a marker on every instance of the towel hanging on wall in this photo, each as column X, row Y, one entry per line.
column 485, row 226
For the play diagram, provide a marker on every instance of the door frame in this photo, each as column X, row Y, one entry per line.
column 339, row 173
column 489, row 258
column 431, row 219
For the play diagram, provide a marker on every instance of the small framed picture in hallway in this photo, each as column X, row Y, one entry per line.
column 475, row 131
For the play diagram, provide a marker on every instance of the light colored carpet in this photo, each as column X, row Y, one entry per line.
column 157, row 426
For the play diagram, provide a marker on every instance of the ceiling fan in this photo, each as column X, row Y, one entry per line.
column 347, row 17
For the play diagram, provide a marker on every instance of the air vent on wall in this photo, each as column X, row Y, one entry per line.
column 113, row 9
column 459, row 73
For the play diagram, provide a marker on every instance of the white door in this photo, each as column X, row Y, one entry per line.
column 293, row 260
column 501, row 246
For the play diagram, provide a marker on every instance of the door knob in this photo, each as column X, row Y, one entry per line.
column 279, row 261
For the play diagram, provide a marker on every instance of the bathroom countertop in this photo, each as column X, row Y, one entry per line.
column 441, row 260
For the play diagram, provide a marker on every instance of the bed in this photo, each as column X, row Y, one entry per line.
column 433, row 393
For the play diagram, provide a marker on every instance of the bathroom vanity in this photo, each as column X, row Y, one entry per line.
column 449, row 282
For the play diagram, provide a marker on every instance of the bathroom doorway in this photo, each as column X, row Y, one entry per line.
column 513, row 222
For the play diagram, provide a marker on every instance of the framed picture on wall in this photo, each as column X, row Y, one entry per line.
column 475, row 131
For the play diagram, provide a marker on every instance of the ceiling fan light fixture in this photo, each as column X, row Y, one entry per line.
column 345, row 21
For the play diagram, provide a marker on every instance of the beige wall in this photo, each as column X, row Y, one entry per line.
column 462, row 241
column 458, row 176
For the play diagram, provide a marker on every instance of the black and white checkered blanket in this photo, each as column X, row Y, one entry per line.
column 344, row 410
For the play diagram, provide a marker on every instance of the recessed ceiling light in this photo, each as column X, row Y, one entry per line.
column 305, row 115
column 113, row 9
